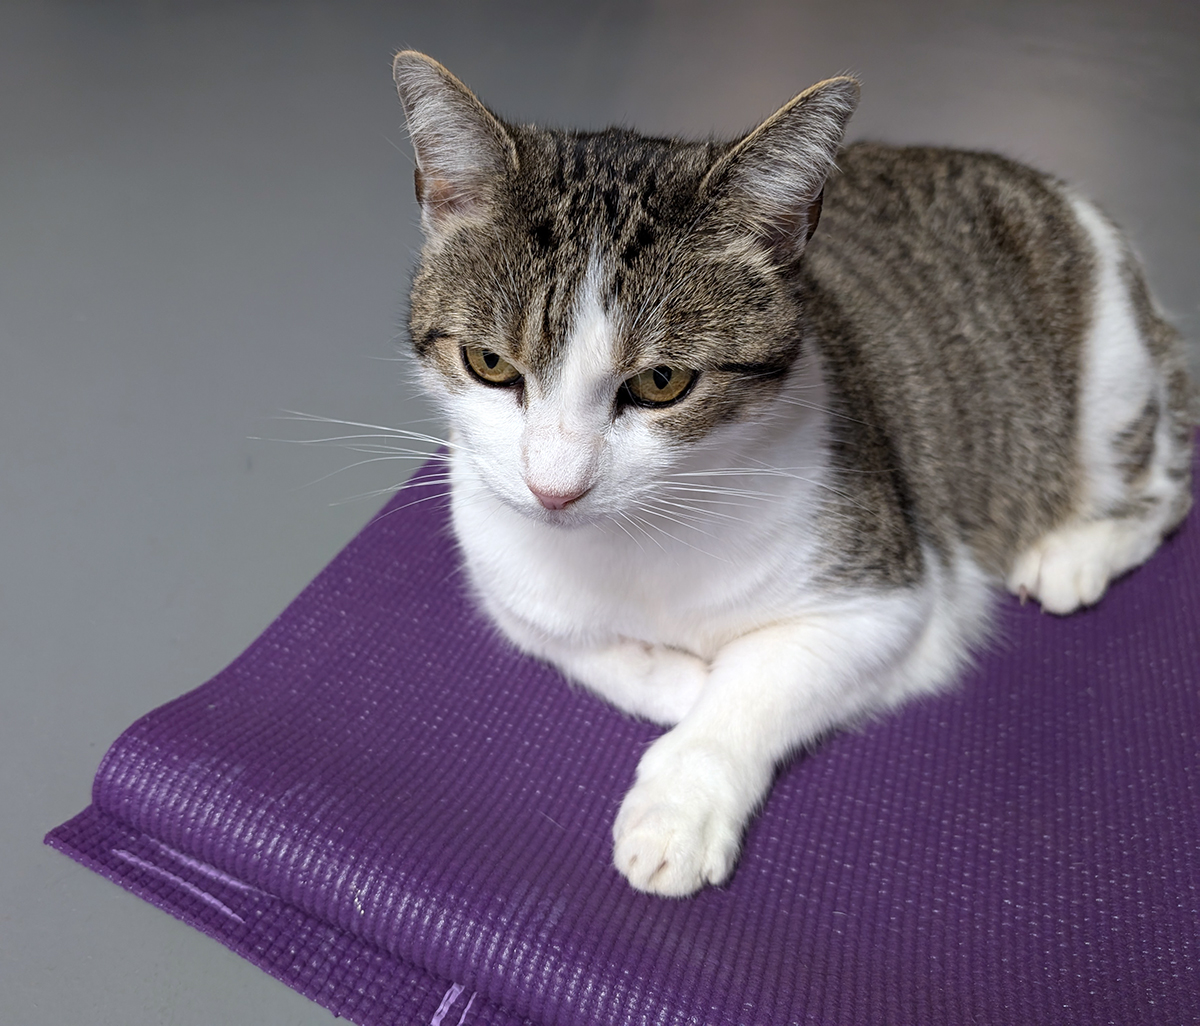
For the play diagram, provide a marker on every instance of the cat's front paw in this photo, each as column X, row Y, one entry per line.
column 677, row 830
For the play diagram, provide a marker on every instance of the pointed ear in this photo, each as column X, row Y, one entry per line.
column 770, row 183
column 462, row 149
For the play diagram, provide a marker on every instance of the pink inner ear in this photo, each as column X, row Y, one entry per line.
column 442, row 197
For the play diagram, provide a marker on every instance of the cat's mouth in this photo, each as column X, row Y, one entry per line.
column 568, row 515
column 561, row 510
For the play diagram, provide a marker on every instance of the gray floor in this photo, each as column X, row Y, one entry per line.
column 206, row 218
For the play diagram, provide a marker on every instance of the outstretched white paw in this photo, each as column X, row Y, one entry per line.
column 676, row 832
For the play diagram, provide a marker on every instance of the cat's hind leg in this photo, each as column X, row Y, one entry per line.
column 1072, row 565
column 1135, row 426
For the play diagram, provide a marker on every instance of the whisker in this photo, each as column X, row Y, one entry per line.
column 415, row 436
column 396, row 489
column 383, row 451
column 784, row 472
column 740, row 471
column 679, row 541
column 704, row 512
column 793, row 401
column 352, row 466
column 700, row 490
column 389, row 491
column 675, row 519
column 821, row 484
column 631, row 536
column 333, row 439
column 724, row 502
column 646, row 528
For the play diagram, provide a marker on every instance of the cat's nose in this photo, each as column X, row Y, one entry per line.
column 552, row 500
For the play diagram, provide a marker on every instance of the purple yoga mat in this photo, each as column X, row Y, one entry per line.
column 385, row 807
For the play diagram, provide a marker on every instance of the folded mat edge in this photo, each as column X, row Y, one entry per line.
column 332, row 967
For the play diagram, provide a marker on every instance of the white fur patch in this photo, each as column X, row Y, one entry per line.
column 1118, row 374
column 1072, row 565
column 566, row 418
column 712, row 620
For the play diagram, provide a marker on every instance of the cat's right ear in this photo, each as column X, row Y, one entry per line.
column 462, row 149
column 770, row 183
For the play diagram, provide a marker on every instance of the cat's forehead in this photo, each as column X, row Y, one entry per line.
column 605, row 182
column 605, row 237
column 597, row 216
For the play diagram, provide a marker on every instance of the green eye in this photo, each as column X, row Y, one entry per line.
column 489, row 367
column 659, row 386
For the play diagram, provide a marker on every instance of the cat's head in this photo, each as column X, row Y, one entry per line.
column 590, row 307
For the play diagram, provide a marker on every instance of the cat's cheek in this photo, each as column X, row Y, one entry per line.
column 635, row 459
column 488, row 426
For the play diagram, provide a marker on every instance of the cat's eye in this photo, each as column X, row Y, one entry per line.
column 489, row 367
column 659, row 386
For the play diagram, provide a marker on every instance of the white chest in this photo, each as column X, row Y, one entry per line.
column 687, row 586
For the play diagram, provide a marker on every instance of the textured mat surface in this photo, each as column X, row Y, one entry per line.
column 386, row 808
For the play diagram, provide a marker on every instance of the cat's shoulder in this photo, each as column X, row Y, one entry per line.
column 884, row 165
column 936, row 190
column 932, row 218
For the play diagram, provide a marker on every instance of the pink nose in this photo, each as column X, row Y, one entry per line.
column 552, row 501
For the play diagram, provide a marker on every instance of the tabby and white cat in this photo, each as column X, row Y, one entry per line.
column 755, row 483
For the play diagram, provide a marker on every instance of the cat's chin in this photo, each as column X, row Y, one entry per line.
column 583, row 513
column 567, row 519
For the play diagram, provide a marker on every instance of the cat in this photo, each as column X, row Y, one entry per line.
column 743, row 434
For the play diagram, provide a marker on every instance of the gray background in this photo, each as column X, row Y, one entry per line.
column 206, row 218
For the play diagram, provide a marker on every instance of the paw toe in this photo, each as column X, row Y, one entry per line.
column 1059, row 583
column 1068, row 568
column 667, row 849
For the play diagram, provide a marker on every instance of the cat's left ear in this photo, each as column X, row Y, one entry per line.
column 462, row 149
column 770, row 183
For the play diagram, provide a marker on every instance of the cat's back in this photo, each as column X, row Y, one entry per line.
column 957, row 298
column 934, row 244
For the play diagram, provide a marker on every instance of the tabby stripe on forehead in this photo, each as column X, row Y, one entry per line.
column 535, row 344
column 547, row 338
